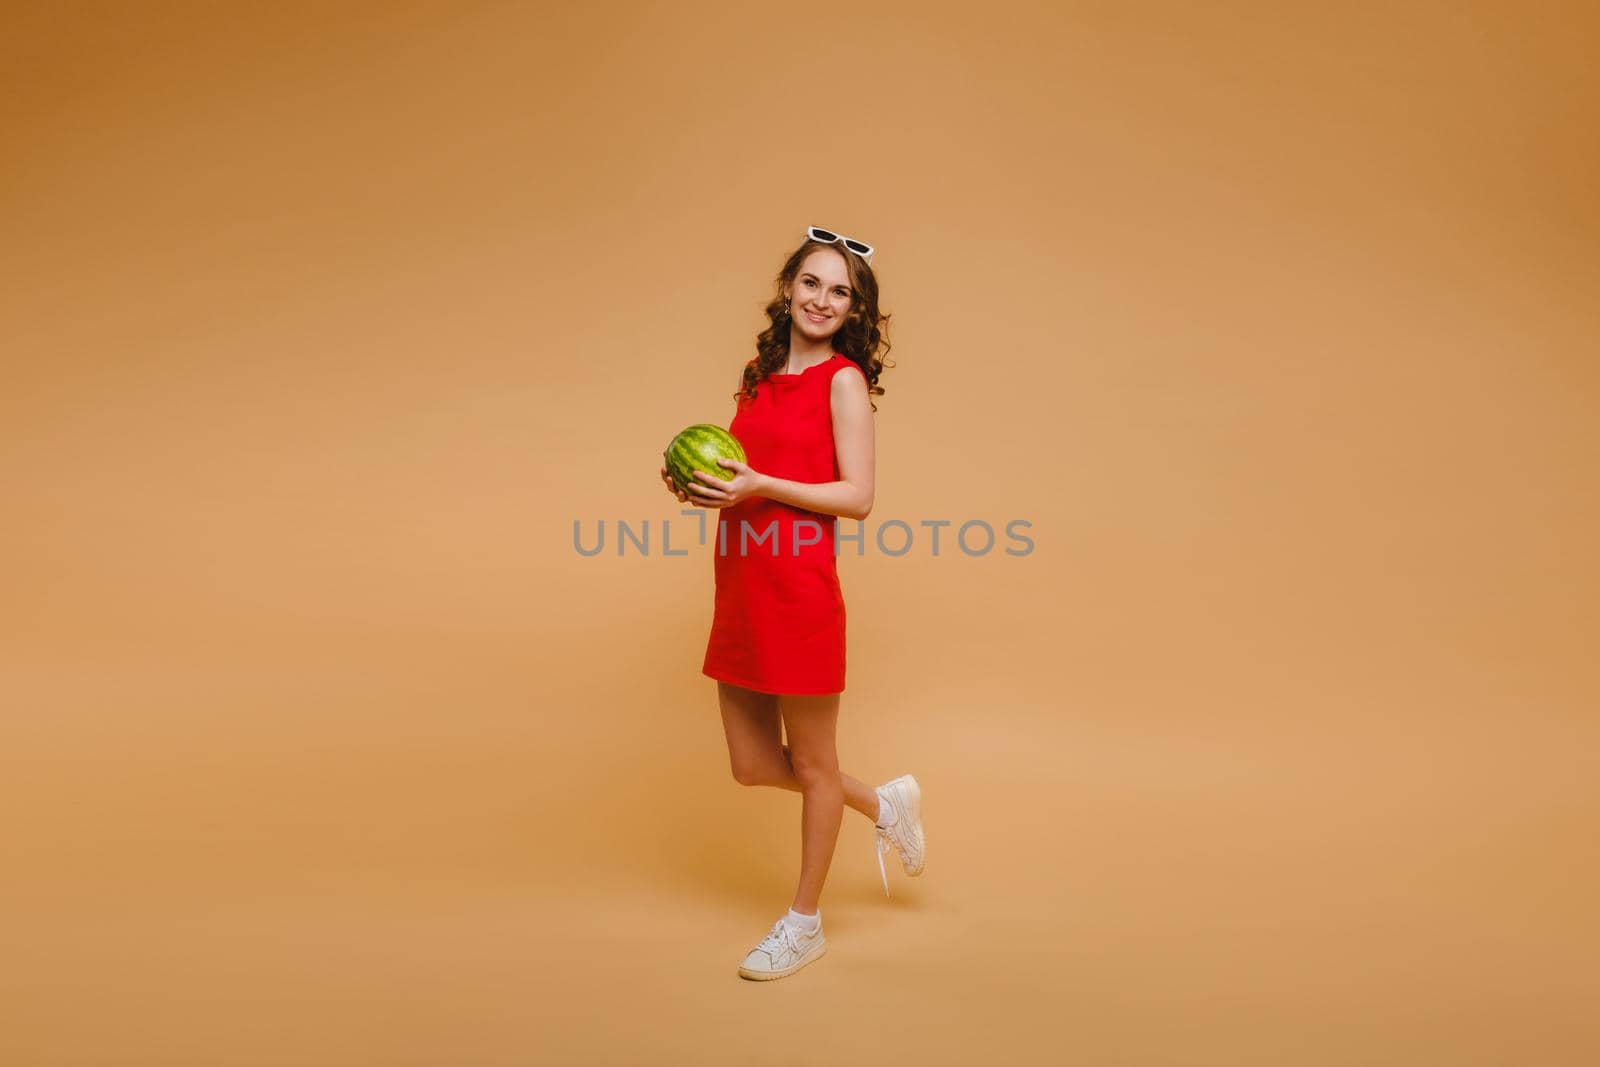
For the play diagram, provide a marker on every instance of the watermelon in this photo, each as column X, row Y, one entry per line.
column 697, row 449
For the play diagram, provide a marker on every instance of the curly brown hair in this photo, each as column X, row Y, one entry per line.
column 860, row 339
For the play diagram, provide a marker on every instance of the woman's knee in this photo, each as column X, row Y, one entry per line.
column 748, row 775
column 761, row 772
column 812, row 771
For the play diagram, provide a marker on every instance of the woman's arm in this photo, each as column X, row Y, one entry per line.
column 850, row 497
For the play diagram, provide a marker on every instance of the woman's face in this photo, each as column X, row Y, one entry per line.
column 819, row 297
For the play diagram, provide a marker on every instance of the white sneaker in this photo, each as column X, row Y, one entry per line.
column 783, row 951
column 903, row 797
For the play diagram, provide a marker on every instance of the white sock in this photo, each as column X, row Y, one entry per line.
column 808, row 923
column 886, row 813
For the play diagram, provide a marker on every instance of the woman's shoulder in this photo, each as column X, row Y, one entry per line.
column 841, row 373
column 847, row 391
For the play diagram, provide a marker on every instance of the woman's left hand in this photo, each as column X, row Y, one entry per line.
column 713, row 492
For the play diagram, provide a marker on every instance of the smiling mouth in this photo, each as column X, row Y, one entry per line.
column 816, row 318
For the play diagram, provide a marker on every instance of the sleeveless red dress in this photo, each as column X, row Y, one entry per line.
column 779, row 623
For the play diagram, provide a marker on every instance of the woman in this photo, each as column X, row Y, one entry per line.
column 777, row 644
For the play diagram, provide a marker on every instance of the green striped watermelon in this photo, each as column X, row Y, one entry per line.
column 698, row 449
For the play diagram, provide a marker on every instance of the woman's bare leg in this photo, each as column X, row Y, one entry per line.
column 811, row 722
column 757, row 752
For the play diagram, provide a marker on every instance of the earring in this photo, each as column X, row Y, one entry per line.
column 786, row 307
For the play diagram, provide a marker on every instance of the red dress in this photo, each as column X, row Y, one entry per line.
column 778, row 626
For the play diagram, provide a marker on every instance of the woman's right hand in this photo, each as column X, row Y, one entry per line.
column 674, row 490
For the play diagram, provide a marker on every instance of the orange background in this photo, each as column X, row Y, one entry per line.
column 323, row 323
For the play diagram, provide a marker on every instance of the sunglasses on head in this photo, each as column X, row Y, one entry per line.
column 860, row 248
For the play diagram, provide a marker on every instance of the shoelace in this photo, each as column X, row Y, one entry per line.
column 887, row 838
column 780, row 937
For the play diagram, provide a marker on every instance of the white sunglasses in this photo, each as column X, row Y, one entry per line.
column 860, row 248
